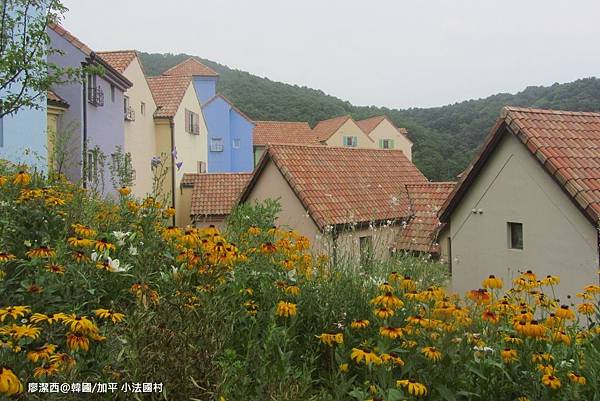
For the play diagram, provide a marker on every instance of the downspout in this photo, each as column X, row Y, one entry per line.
column 84, row 165
column 172, row 125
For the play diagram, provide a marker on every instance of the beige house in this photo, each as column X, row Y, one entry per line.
column 181, row 134
column 138, row 111
column 386, row 135
column 56, row 107
column 529, row 200
column 349, row 202
column 343, row 131
column 266, row 132
column 209, row 198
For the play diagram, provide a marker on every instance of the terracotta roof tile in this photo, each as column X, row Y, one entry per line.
column 283, row 132
column 420, row 232
column 52, row 97
column 168, row 91
column 344, row 185
column 215, row 194
column 68, row 36
column 119, row 60
column 191, row 67
column 369, row 124
column 566, row 143
column 324, row 129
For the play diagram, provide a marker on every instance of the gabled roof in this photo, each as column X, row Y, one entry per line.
column 69, row 37
column 168, row 92
column 191, row 67
column 283, row 132
column 214, row 194
column 425, row 199
column 565, row 143
column 324, row 129
column 369, row 124
column 343, row 185
column 55, row 100
column 118, row 59
column 220, row 96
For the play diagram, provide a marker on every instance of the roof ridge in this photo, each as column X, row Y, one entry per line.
column 508, row 109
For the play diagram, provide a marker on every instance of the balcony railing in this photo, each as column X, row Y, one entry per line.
column 129, row 114
column 96, row 96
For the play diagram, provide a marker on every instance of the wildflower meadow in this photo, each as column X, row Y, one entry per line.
column 97, row 290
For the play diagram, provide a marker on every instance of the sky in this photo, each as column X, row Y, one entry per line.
column 394, row 53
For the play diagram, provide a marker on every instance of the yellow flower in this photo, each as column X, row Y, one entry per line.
column 254, row 230
column 413, row 387
column 432, row 353
column 330, row 339
column 523, row 398
column 22, row 178
column 286, row 309
column 124, row 191
column 169, row 212
column 50, row 318
column 102, row 245
column 384, row 313
column 551, row 280
column 9, row 382
column 534, row 329
column 546, row 369
column 62, row 360
column 83, row 230
column 541, row 357
column 49, row 370
column 41, row 353
column 561, row 337
column 592, row 288
column 492, row 282
column 292, row 290
column 392, row 357
column 388, row 300
column 586, row 309
column 76, row 341
column 564, row 312
column 360, row 324
column 577, row 379
column 14, row 312
column 80, row 257
column 41, row 252
column 390, row 332
column 363, row 354
column 490, row 316
column 344, row 367
column 551, row 381
column 108, row 314
column 23, row 331
column 3, row 180
column 508, row 355
column 79, row 242
column 5, row 257
column 79, row 324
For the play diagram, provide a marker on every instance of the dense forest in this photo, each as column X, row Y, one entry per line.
column 445, row 137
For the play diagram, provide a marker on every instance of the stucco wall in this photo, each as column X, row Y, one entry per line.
column 241, row 158
column 23, row 137
column 190, row 148
column 385, row 130
column 513, row 187
column 140, row 137
column 206, row 88
column 349, row 128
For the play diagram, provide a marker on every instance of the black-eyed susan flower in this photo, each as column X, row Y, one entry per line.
column 490, row 316
column 5, row 257
column 169, row 212
column 414, row 388
column 592, row 288
column 551, row 381
column 124, row 191
column 383, row 312
column 480, row 296
column 55, row 268
column 586, row 309
column 79, row 324
column 538, row 357
column 254, row 230
column 512, row 339
column 46, row 370
column 550, row 280
column 50, row 318
column 9, row 382
column 365, row 355
column 268, row 248
column 62, row 360
column 330, row 339
column 285, row 309
column 41, row 353
column 564, row 312
column 432, row 353
column 509, row 355
column 386, row 287
column 102, row 245
column 546, row 369
column 292, row 290
column 78, row 341
column 391, row 332
column 22, row 178
column 577, row 379
column 41, row 252
column 79, row 242
column 35, row 289
column 388, row 300
column 360, row 324
column 344, row 367
column 24, row 331
column 561, row 337
column 83, row 230
column 108, row 314
column 14, row 312
column 80, row 257
column 492, row 282
column 3, row 180
column 534, row 329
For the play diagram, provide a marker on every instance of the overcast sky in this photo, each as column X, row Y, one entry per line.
column 395, row 53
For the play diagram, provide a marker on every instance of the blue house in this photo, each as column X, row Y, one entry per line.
column 229, row 130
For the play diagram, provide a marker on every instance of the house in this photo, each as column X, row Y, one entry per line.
column 210, row 197
column 386, row 135
column 93, row 125
column 343, row 131
column 138, row 112
column 425, row 201
column 530, row 200
column 181, row 133
column 229, row 130
column 266, row 132
column 349, row 202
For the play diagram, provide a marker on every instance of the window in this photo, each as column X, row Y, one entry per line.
column 143, row 108
column 216, row 144
column 95, row 94
column 350, row 141
column 236, row 143
column 366, row 250
column 128, row 110
column 386, row 144
column 201, row 167
column 192, row 122
column 515, row 235
column 112, row 93
column 92, row 166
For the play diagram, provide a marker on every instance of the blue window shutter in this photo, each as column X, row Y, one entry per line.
column 392, row 144
column 381, row 144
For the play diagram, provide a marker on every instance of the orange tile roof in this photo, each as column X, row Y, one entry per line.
column 426, row 199
column 565, row 143
column 324, row 129
column 52, row 97
column 283, row 132
column 168, row 92
column 343, row 185
column 191, row 67
column 214, row 194
column 119, row 59
column 68, row 36
column 369, row 124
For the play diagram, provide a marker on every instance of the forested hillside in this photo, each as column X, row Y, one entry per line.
column 445, row 137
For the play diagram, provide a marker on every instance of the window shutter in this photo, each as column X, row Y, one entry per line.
column 381, row 144
column 187, row 121
column 392, row 146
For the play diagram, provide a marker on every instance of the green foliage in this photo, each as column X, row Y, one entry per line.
column 445, row 138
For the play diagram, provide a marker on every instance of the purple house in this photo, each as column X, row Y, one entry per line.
column 94, row 124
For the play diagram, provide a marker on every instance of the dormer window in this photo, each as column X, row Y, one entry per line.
column 386, row 144
column 350, row 141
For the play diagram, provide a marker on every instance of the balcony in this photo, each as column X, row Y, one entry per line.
column 129, row 114
column 96, row 96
